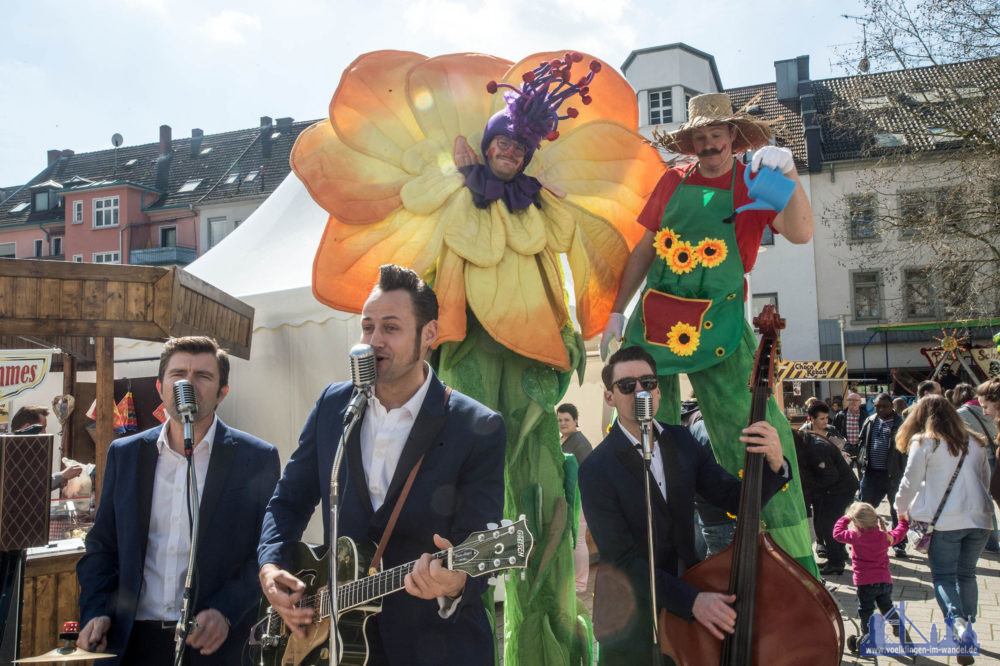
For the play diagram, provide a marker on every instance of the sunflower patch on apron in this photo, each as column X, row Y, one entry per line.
column 691, row 316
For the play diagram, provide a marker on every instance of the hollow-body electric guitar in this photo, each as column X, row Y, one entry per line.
column 496, row 549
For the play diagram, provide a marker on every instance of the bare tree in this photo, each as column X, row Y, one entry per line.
column 925, row 124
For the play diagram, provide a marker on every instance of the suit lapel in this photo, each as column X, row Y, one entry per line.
column 680, row 505
column 428, row 424
column 356, row 469
column 146, row 464
column 631, row 459
column 219, row 466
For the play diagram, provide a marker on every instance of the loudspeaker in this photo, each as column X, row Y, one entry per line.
column 25, row 489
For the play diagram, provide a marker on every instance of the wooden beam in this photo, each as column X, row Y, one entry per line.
column 105, row 406
column 69, row 388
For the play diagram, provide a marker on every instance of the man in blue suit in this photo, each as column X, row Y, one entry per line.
column 612, row 491
column 132, row 575
column 440, row 617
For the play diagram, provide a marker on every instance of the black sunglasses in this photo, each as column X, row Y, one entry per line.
column 627, row 384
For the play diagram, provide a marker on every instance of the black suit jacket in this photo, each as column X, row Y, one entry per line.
column 612, row 491
column 241, row 476
column 458, row 489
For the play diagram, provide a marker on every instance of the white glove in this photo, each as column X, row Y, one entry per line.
column 773, row 157
column 613, row 331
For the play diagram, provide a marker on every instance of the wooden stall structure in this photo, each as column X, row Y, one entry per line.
column 68, row 305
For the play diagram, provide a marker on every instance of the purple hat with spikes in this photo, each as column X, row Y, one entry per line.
column 532, row 111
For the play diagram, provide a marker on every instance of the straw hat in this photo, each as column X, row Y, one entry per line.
column 716, row 109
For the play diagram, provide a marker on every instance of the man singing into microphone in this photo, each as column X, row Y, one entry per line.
column 132, row 575
column 458, row 488
column 612, row 490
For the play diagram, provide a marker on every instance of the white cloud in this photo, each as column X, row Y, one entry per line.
column 231, row 27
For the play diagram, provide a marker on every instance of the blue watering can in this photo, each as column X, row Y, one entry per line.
column 770, row 190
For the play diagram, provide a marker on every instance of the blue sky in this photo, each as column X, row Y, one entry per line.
column 75, row 73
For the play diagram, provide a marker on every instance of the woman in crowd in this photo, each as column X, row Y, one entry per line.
column 988, row 394
column 971, row 410
column 938, row 444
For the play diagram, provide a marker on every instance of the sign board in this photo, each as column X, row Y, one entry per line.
column 987, row 359
column 21, row 370
column 805, row 370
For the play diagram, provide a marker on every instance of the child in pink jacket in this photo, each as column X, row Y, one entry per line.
column 870, row 543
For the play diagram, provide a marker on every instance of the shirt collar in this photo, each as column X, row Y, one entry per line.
column 416, row 400
column 633, row 440
column 208, row 439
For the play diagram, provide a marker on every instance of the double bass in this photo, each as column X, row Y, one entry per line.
column 784, row 615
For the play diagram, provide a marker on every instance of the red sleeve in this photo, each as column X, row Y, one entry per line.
column 652, row 215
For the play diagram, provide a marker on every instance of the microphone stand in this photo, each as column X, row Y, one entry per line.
column 185, row 621
column 647, row 455
column 362, row 394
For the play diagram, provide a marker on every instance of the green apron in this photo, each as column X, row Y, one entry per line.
column 691, row 313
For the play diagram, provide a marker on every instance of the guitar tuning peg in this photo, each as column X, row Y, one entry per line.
column 521, row 517
column 506, row 522
column 492, row 580
column 491, row 526
column 523, row 575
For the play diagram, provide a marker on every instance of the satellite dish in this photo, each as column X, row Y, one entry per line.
column 116, row 139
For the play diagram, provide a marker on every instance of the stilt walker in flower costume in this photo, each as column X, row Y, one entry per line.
column 395, row 169
column 694, row 252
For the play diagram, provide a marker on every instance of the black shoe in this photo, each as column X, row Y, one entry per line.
column 821, row 552
column 832, row 569
column 900, row 553
column 852, row 644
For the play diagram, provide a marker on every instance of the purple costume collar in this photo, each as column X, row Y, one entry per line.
column 518, row 193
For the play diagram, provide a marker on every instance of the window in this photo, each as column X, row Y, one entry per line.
column 105, row 212
column 77, row 212
column 77, row 258
column 41, row 200
column 206, row 151
column 767, row 238
column 8, row 250
column 39, row 243
column 660, row 107
column 232, row 178
column 19, row 207
column 251, row 176
column 106, row 258
column 918, row 296
column 217, row 230
column 861, row 211
column 131, row 163
column 687, row 103
column 866, row 295
column 190, row 185
column 57, row 249
column 760, row 300
column 889, row 139
column 955, row 285
column 912, row 212
column 168, row 236
column 948, row 203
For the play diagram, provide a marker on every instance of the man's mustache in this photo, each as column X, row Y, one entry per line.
column 708, row 152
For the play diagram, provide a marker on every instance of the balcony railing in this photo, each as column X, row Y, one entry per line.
column 179, row 255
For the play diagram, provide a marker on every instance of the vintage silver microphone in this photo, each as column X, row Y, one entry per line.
column 643, row 413
column 363, row 375
column 186, row 404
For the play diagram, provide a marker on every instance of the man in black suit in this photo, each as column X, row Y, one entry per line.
column 440, row 618
column 612, row 490
column 132, row 575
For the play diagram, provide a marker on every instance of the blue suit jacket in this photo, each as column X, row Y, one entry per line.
column 458, row 489
column 241, row 476
column 613, row 497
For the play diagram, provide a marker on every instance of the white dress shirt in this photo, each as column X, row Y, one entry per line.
column 169, row 542
column 383, row 436
column 656, row 465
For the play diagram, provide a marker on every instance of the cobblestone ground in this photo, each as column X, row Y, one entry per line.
column 912, row 584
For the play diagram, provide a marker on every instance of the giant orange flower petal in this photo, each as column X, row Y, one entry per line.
column 349, row 256
column 605, row 168
column 353, row 187
column 449, row 285
column 370, row 112
column 597, row 259
column 448, row 94
column 613, row 97
column 520, row 304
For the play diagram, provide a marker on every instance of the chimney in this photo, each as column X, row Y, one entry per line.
column 166, row 144
column 786, row 77
column 53, row 155
column 284, row 124
column 196, row 136
column 67, row 153
column 266, row 129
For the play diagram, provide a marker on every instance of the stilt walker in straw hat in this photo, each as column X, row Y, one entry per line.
column 693, row 255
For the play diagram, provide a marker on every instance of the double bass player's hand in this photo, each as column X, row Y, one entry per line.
column 713, row 610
